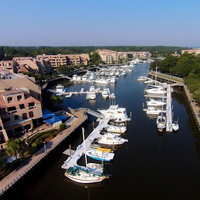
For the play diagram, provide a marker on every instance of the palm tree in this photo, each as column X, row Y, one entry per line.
column 15, row 147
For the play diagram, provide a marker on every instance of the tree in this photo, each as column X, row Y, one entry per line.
column 95, row 57
column 16, row 147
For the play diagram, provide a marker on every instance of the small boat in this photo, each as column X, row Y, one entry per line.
column 153, row 111
column 161, row 122
column 175, row 126
column 69, row 95
column 142, row 78
column 99, row 154
column 153, row 103
column 101, row 81
column 91, row 173
column 105, row 93
column 156, row 91
column 111, row 139
column 116, row 129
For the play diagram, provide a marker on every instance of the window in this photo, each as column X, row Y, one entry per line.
column 12, row 109
column 16, row 117
column 31, row 105
column 31, row 114
column 9, row 99
column 21, row 106
column 24, row 116
column 19, row 97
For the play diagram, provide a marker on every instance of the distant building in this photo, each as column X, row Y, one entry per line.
column 108, row 56
column 135, row 54
column 195, row 51
column 7, row 65
column 69, row 59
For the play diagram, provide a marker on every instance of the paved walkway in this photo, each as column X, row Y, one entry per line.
column 78, row 119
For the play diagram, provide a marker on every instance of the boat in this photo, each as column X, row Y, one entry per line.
column 98, row 154
column 112, row 96
column 111, row 139
column 155, row 103
column 142, row 78
column 149, row 81
column 175, row 126
column 101, row 81
column 105, row 93
column 156, row 91
column 116, row 129
column 91, row 173
column 113, row 79
column 60, row 90
column 153, row 111
column 69, row 95
column 91, row 94
column 161, row 122
column 114, row 112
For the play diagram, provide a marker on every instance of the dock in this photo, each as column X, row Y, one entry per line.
column 169, row 110
column 76, row 155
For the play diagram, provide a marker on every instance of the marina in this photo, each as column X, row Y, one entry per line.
column 150, row 166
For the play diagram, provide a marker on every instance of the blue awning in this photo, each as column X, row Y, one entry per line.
column 62, row 117
column 53, row 120
column 47, row 114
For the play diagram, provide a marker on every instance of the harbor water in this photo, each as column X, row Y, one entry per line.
column 151, row 165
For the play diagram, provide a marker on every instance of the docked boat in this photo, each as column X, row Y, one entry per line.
column 161, row 122
column 91, row 173
column 116, row 129
column 142, row 78
column 99, row 154
column 101, row 81
column 155, row 103
column 105, row 93
column 91, row 95
column 153, row 111
column 149, row 81
column 113, row 79
column 111, row 139
column 83, row 175
column 114, row 112
column 175, row 126
column 156, row 91
column 60, row 90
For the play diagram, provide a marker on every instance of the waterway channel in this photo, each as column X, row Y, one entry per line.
column 150, row 166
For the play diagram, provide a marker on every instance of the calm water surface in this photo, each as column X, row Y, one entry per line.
column 150, row 166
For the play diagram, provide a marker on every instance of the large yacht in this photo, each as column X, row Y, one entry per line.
column 114, row 112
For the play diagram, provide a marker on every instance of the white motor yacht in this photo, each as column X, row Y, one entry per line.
column 116, row 129
column 155, row 103
column 153, row 111
column 155, row 91
column 142, row 78
column 114, row 112
column 101, row 81
column 175, row 126
column 161, row 122
column 112, row 139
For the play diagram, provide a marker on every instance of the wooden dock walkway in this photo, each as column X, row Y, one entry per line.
column 77, row 120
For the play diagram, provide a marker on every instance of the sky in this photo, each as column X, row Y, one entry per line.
column 99, row 22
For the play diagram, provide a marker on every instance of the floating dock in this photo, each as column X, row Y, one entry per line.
column 76, row 155
column 169, row 110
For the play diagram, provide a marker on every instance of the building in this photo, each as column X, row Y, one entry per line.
column 11, row 80
column 7, row 65
column 135, row 54
column 195, row 51
column 68, row 59
column 19, row 112
column 108, row 56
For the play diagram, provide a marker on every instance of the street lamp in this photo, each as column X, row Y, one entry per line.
column 45, row 148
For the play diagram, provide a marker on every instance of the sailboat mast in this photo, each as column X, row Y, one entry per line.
column 84, row 146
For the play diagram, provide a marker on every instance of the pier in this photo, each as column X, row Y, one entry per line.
column 76, row 155
column 169, row 110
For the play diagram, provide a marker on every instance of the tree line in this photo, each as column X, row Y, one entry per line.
column 8, row 52
column 187, row 66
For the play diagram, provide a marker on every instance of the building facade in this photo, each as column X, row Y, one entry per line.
column 108, row 56
column 19, row 111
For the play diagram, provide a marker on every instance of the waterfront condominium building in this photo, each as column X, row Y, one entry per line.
column 19, row 112
column 69, row 59
column 108, row 56
column 135, row 54
column 195, row 51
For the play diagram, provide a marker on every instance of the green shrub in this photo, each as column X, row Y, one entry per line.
column 62, row 127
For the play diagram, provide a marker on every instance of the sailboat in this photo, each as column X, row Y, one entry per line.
column 91, row 173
